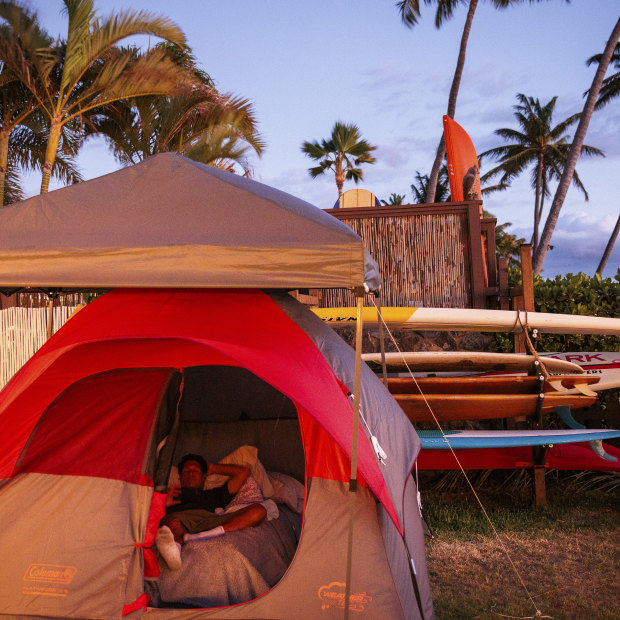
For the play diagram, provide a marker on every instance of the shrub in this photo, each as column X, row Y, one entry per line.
column 573, row 294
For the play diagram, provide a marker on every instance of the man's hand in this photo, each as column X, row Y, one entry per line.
column 172, row 497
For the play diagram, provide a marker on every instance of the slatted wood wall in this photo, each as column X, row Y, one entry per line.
column 22, row 332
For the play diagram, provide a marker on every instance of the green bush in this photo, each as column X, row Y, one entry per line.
column 573, row 294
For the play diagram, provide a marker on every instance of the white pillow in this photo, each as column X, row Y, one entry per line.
column 288, row 491
column 249, row 493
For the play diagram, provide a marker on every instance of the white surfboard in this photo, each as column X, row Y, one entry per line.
column 605, row 365
column 466, row 319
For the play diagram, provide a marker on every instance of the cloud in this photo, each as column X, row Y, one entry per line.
column 579, row 241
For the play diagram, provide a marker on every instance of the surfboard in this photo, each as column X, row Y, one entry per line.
column 570, row 456
column 462, row 162
column 470, row 361
column 466, row 319
column 487, row 384
column 470, row 440
column 605, row 366
column 461, row 156
column 445, row 407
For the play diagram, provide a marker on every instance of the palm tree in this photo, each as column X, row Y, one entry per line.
column 575, row 150
column 410, row 13
column 344, row 150
column 419, row 189
column 394, row 199
column 27, row 148
column 16, row 102
column 202, row 124
column 539, row 144
column 506, row 244
column 610, row 87
column 76, row 77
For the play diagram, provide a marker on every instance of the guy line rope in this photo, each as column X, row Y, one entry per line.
column 445, row 438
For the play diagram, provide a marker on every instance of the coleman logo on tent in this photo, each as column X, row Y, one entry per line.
column 50, row 573
column 333, row 596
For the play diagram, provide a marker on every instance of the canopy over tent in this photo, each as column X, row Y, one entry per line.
column 170, row 221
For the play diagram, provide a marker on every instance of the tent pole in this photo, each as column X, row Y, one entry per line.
column 359, row 292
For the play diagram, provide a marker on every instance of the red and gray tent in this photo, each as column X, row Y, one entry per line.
column 86, row 426
column 79, row 429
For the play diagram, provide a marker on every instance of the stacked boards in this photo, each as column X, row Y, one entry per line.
column 480, row 397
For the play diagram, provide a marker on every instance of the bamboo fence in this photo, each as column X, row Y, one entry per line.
column 423, row 259
column 22, row 332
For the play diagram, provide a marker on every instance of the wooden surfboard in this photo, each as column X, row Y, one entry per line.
column 468, row 440
column 488, row 384
column 444, row 407
column 466, row 319
column 470, row 361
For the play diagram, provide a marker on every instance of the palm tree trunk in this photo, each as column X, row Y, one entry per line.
column 339, row 174
column 537, row 203
column 609, row 248
column 50, row 155
column 4, row 158
column 575, row 151
column 454, row 91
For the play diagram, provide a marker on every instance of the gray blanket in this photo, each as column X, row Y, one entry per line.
column 233, row 568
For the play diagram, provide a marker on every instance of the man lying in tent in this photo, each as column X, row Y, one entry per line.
column 191, row 509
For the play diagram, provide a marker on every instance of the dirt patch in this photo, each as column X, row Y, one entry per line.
column 567, row 575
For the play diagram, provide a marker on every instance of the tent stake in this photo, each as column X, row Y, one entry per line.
column 354, row 441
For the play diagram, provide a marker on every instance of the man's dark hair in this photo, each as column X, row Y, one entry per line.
column 193, row 457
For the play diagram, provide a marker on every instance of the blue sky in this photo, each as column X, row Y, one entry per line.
column 307, row 64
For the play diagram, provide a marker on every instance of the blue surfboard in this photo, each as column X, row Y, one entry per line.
column 460, row 440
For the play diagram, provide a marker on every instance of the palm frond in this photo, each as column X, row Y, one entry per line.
column 94, row 38
column 409, row 11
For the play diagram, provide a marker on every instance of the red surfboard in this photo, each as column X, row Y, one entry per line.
column 461, row 155
column 572, row 457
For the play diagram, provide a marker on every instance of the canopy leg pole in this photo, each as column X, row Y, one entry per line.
column 382, row 342
column 50, row 317
column 354, row 442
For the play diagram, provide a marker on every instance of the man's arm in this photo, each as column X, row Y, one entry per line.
column 238, row 474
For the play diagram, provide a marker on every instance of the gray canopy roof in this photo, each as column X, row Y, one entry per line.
column 170, row 221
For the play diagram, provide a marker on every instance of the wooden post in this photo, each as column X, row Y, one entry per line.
column 477, row 265
column 540, row 497
column 524, row 299
column 488, row 228
column 527, row 277
column 504, row 292
column 538, row 453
